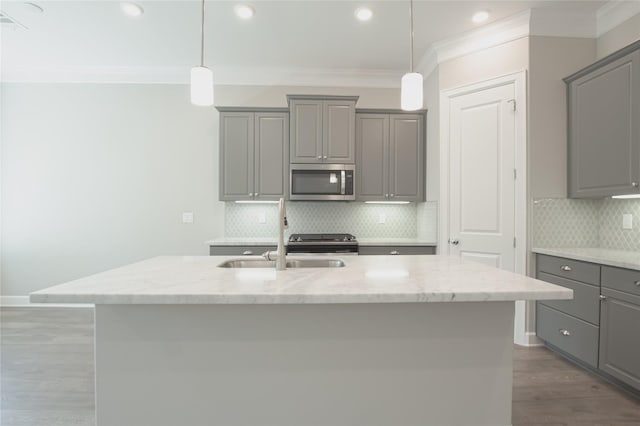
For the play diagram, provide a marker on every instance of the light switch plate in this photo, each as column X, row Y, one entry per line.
column 382, row 218
column 187, row 217
column 262, row 217
column 627, row 221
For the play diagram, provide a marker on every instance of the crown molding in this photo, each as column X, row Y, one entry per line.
column 221, row 75
column 614, row 13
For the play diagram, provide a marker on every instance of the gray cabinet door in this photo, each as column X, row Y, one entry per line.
column 236, row 156
column 604, row 130
column 306, row 131
column 339, row 131
column 271, row 160
column 620, row 336
column 372, row 147
column 406, row 157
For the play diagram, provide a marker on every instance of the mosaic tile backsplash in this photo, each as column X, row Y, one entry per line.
column 362, row 220
column 585, row 223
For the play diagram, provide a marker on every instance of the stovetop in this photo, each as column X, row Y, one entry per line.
column 322, row 238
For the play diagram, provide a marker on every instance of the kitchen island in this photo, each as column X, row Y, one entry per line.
column 385, row 340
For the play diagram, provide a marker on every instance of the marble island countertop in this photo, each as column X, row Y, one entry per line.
column 618, row 258
column 364, row 279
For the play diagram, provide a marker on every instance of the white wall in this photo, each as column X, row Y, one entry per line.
column 619, row 37
column 95, row 176
column 432, row 104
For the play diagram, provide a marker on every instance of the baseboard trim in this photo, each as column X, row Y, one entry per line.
column 23, row 302
column 530, row 340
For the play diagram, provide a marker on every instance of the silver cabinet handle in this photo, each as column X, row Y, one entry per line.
column 564, row 332
column 394, row 252
column 566, row 268
column 343, row 182
column 637, row 283
column 455, row 242
column 247, row 253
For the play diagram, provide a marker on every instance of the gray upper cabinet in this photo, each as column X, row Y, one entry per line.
column 253, row 154
column 390, row 157
column 322, row 129
column 604, row 129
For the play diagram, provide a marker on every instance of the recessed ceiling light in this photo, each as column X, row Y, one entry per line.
column 131, row 9
column 244, row 11
column 363, row 13
column 480, row 16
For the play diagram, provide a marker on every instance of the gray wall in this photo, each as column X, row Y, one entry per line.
column 95, row 176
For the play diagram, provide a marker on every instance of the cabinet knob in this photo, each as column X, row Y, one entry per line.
column 394, row 252
column 603, row 297
column 319, row 157
column 455, row 242
column 251, row 194
column 256, row 194
column 634, row 184
column 637, row 283
column 564, row 332
column 393, row 195
column 566, row 268
column 247, row 253
column 325, row 157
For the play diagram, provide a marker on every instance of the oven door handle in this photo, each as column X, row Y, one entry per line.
column 343, row 182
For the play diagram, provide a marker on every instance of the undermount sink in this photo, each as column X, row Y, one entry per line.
column 291, row 263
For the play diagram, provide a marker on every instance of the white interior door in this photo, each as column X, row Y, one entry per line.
column 482, row 176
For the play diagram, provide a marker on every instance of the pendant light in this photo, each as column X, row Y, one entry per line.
column 201, row 77
column 411, row 84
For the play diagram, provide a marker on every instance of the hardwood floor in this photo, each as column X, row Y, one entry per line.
column 47, row 378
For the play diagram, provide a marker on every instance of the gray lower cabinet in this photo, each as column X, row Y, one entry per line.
column 601, row 325
column 620, row 325
column 246, row 250
column 322, row 129
column 389, row 156
column 604, row 130
column 253, row 154
column 571, row 325
column 396, row 250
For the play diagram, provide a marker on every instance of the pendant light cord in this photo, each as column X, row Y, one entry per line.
column 411, row 34
column 202, row 37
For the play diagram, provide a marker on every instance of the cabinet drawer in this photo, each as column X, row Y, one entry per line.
column 239, row 250
column 586, row 298
column 626, row 280
column 572, row 335
column 381, row 250
column 567, row 268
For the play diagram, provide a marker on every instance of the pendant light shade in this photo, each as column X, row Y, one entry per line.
column 201, row 86
column 411, row 95
column 411, row 91
column 201, row 77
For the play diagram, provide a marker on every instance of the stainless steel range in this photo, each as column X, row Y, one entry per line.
column 322, row 243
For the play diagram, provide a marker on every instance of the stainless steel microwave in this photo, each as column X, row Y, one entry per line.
column 326, row 182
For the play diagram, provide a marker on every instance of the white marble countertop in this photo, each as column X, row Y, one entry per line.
column 364, row 279
column 619, row 258
column 248, row 241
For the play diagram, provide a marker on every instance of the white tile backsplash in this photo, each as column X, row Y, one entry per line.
column 585, row 223
column 360, row 219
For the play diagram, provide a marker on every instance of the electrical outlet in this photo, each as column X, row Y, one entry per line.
column 627, row 221
column 187, row 217
column 382, row 218
column 262, row 217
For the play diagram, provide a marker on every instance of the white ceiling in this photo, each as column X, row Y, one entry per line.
column 96, row 38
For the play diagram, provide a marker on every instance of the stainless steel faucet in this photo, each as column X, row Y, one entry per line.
column 281, row 253
column 281, row 261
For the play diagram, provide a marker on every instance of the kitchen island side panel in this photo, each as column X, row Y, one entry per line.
column 297, row 365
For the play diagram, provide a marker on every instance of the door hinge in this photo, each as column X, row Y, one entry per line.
column 513, row 103
column 514, row 242
column 515, row 174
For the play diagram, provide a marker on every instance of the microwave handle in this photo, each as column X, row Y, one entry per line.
column 343, row 183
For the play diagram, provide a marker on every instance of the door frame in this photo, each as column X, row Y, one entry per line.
column 519, row 80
